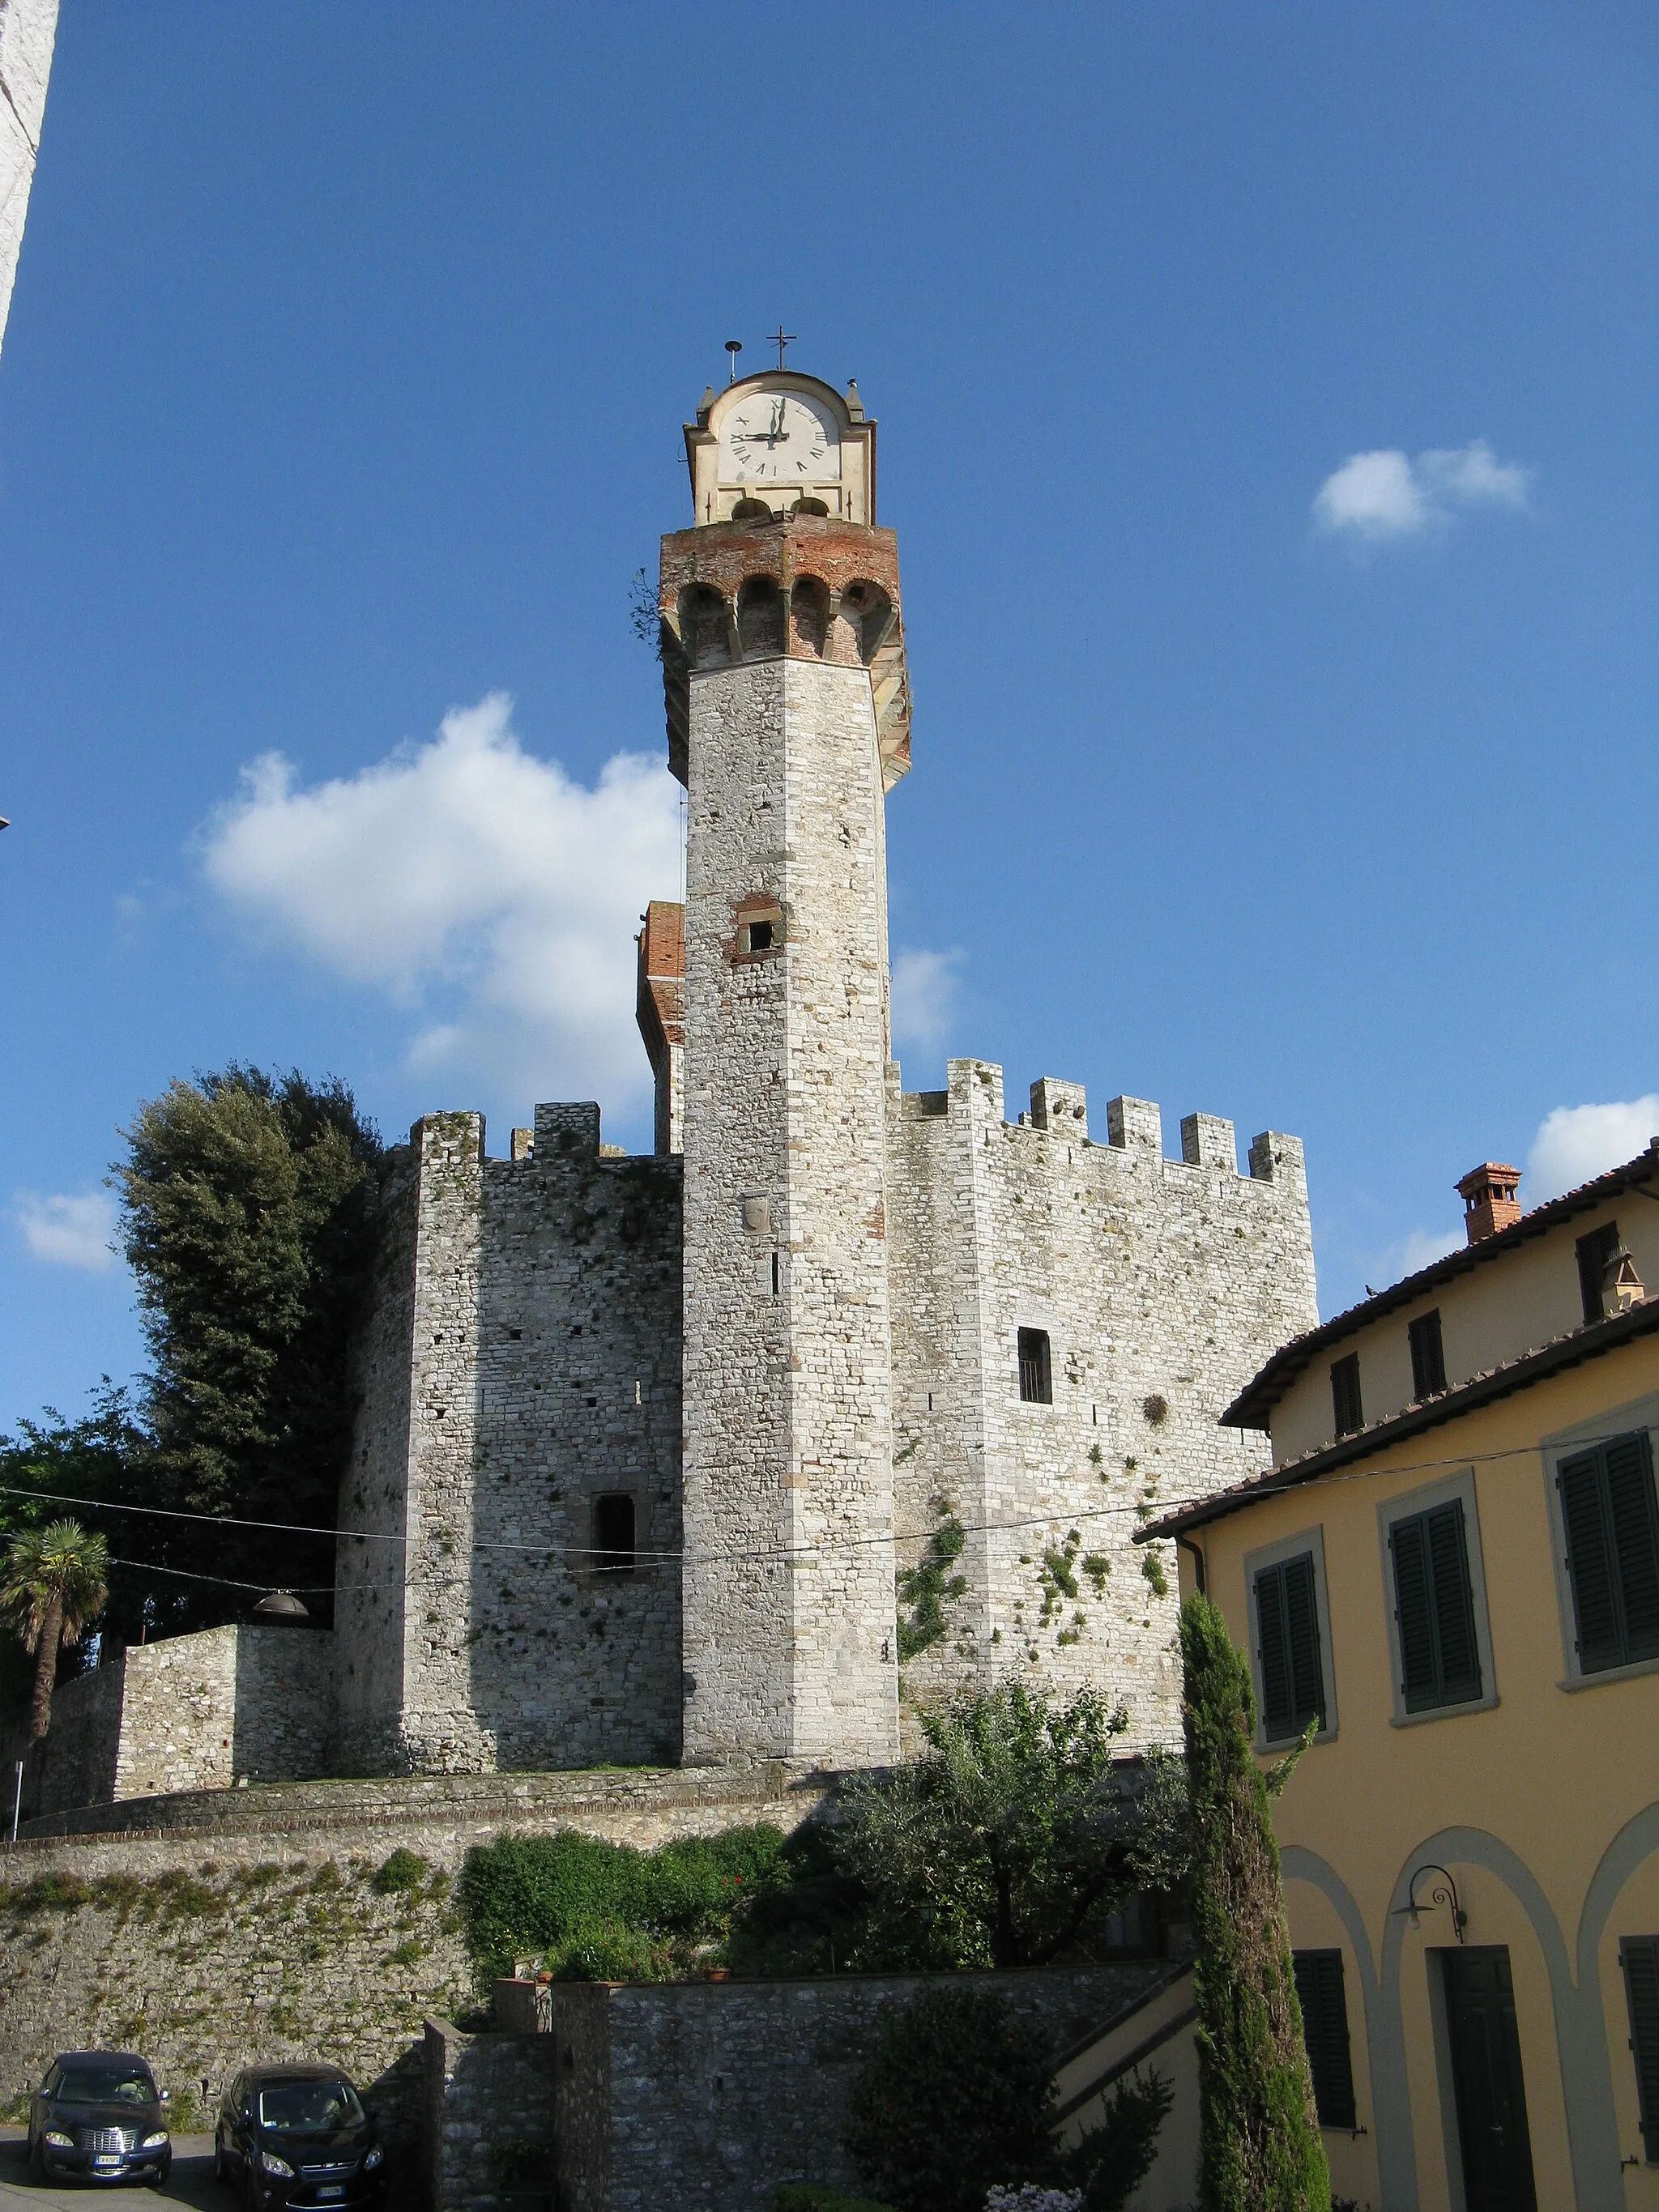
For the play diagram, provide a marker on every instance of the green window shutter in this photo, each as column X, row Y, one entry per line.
column 1454, row 1605
column 1278, row 1706
column 1638, row 1956
column 1611, row 1520
column 1320, row 1992
column 1420, row 1681
column 1434, row 1610
column 1635, row 1542
column 1590, row 1562
column 1292, row 1674
column 1301, row 1615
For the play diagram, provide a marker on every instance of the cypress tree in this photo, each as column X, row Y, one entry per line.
column 1259, row 2144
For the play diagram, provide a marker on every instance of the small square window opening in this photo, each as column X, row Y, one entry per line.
column 614, row 1549
column 1036, row 1384
column 760, row 937
column 1428, row 1356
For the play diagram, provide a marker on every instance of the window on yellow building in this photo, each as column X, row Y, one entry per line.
column 1428, row 1356
column 1638, row 1959
column 1434, row 1609
column 1611, row 1522
column 1345, row 1395
column 1287, row 1625
column 1324, row 2002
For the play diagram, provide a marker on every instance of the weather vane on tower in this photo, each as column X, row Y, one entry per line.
column 781, row 338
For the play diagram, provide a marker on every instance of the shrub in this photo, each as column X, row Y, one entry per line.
column 955, row 2096
column 403, row 1870
column 600, row 1911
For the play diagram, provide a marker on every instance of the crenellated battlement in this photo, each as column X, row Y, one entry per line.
column 1134, row 1125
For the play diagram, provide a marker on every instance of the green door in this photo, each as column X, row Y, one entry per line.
column 1491, row 2097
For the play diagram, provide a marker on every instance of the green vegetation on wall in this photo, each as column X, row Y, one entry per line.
column 598, row 1911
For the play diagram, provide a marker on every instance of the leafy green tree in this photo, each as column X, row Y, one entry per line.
column 248, row 1217
column 53, row 1463
column 1260, row 2146
column 1009, row 1841
column 53, row 1581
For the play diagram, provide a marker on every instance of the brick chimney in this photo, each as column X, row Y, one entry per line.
column 1489, row 1200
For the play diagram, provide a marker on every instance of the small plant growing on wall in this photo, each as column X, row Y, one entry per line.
column 1153, row 1567
column 927, row 1588
column 403, row 1871
column 1155, row 1409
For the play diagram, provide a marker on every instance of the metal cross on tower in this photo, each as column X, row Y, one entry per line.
column 781, row 338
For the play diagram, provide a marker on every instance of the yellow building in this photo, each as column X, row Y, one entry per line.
column 1453, row 1568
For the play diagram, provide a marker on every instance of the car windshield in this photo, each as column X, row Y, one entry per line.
column 303, row 2107
column 106, row 2085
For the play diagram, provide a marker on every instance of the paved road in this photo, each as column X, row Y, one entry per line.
column 191, row 2181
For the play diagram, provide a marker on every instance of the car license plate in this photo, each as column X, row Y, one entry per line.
column 336, row 2189
column 107, row 2158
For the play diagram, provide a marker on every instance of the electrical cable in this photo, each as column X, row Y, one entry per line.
column 1145, row 1511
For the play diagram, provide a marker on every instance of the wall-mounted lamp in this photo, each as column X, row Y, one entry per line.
column 1444, row 1892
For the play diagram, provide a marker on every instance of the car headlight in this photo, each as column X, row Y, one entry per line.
column 155, row 2142
column 272, row 2164
column 58, row 2139
column 374, row 2159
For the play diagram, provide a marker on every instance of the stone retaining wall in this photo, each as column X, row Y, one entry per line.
column 244, row 1924
column 675, row 2097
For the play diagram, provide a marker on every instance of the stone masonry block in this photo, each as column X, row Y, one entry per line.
column 1277, row 1159
column 1206, row 1141
column 1057, row 1105
column 568, row 1129
column 1137, row 1123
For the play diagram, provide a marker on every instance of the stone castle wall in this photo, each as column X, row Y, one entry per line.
column 1162, row 1285
column 541, row 1373
column 192, row 1712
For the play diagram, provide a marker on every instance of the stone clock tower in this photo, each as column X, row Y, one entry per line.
column 788, row 715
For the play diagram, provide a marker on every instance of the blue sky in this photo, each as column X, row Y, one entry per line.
column 1269, row 420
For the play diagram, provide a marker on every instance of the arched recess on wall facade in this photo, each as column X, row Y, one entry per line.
column 871, row 613
column 760, row 618
column 1636, row 1842
column 1581, row 2045
column 705, row 626
column 809, row 615
column 1385, row 2041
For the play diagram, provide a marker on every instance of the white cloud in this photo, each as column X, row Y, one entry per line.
column 69, row 1232
column 485, row 889
column 1424, row 1246
column 1386, row 493
column 924, row 996
column 1577, row 1143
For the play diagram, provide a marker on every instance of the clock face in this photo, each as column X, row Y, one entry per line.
column 778, row 438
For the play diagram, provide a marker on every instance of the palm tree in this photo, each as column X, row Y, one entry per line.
column 54, row 1581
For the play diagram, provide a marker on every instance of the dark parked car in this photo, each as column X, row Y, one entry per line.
column 98, row 2114
column 297, row 2136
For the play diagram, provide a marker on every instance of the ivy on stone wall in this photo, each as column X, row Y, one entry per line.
column 928, row 1586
